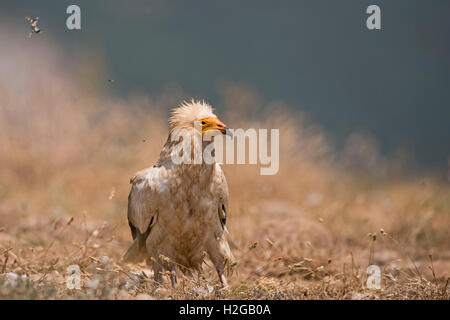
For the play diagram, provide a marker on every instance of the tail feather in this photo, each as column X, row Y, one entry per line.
column 135, row 253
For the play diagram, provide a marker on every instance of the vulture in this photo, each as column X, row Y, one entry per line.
column 177, row 213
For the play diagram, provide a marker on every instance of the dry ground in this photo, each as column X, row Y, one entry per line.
column 68, row 149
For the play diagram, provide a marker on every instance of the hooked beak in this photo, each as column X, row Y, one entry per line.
column 209, row 123
column 223, row 129
column 227, row 132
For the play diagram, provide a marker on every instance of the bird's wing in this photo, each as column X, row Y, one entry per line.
column 221, row 190
column 143, row 200
column 143, row 203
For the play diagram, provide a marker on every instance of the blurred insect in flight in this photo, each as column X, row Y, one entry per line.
column 33, row 25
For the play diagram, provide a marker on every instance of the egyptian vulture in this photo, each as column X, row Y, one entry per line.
column 177, row 212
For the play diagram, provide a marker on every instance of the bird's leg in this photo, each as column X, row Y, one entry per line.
column 173, row 276
column 222, row 278
column 173, row 280
column 157, row 272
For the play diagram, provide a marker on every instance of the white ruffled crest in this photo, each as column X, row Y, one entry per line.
column 187, row 112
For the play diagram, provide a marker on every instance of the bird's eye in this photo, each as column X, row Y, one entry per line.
column 203, row 122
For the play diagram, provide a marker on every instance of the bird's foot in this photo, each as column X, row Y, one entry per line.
column 222, row 278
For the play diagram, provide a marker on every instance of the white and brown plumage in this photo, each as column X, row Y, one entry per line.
column 178, row 212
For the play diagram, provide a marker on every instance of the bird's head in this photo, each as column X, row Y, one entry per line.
column 199, row 116
column 212, row 124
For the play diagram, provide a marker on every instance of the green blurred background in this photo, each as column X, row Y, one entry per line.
column 316, row 56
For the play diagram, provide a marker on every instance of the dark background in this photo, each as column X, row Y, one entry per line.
column 315, row 55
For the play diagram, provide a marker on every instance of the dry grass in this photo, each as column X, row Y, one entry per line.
column 67, row 150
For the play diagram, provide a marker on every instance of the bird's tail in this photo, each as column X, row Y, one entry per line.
column 135, row 253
